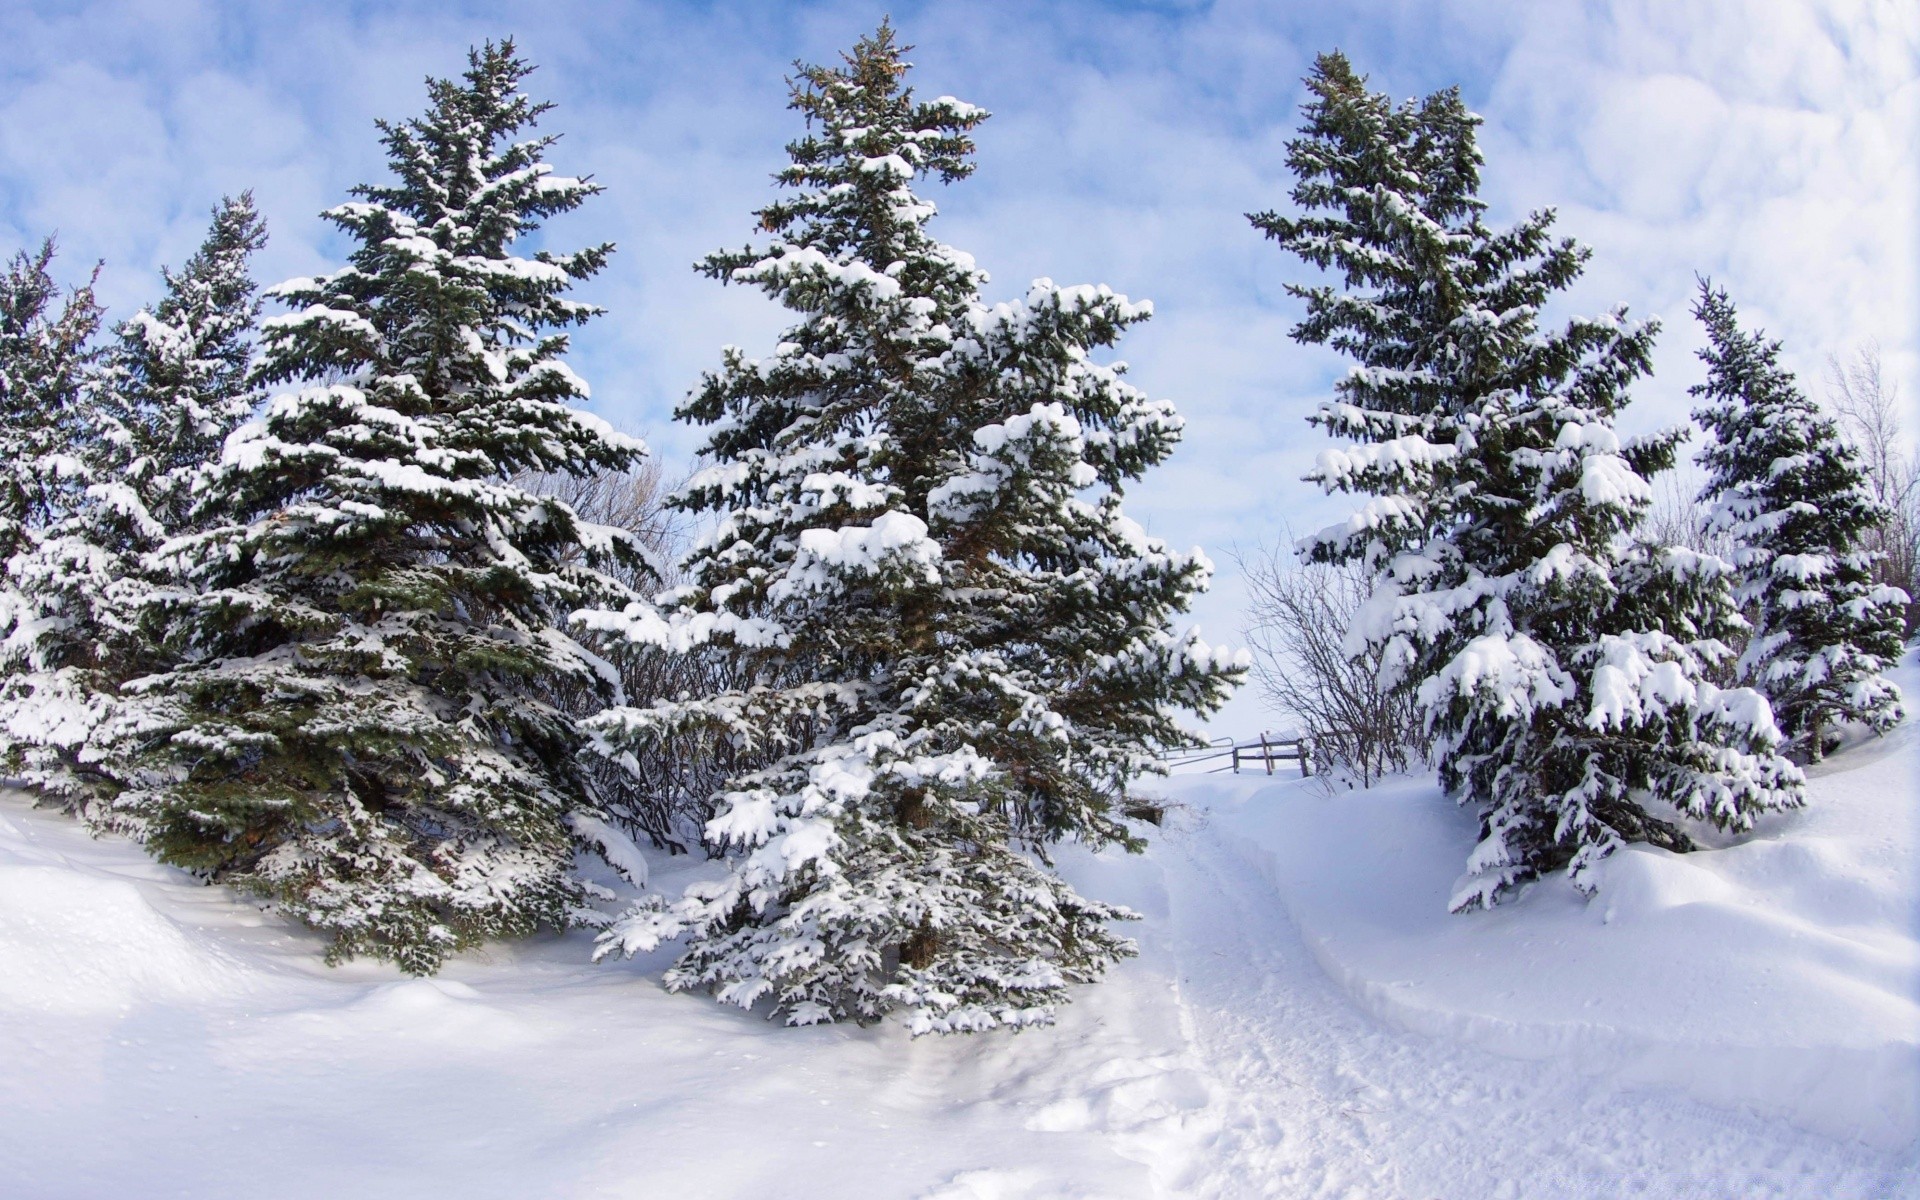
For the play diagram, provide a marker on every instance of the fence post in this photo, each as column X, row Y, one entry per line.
column 1266, row 752
column 1236, row 758
column 1306, row 756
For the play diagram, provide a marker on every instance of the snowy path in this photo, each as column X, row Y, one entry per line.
column 1314, row 1098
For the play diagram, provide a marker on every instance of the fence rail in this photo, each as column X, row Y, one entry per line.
column 1266, row 752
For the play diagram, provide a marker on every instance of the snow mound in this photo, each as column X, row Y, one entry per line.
column 75, row 944
column 155, row 1028
column 1779, row 974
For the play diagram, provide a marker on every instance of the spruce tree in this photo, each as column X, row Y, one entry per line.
column 172, row 386
column 1562, row 668
column 368, row 637
column 958, row 644
column 1788, row 488
column 180, row 372
column 49, row 384
column 48, row 372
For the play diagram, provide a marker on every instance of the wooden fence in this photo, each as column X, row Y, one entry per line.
column 1265, row 753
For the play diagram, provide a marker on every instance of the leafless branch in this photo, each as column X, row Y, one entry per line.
column 1298, row 621
column 1868, row 405
column 667, row 795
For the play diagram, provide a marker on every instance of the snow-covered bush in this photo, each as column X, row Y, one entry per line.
column 953, row 646
column 1561, row 666
column 1298, row 617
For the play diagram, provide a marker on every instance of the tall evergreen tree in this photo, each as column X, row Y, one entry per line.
column 369, row 636
column 49, row 382
column 1562, row 668
column 958, row 643
column 48, row 371
column 181, row 370
column 173, row 385
column 1789, row 489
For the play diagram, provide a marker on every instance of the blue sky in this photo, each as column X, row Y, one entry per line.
column 1769, row 145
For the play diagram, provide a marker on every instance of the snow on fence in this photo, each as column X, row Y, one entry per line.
column 1225, row 754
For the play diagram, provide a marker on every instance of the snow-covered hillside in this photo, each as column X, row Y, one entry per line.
column 1305, row 1020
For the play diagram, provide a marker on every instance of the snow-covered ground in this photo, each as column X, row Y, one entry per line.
column 1304, row 1020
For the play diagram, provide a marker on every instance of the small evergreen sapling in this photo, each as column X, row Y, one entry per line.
column 957, row 644
column 369, row 634
column 1789, row 489
column 1562, row 667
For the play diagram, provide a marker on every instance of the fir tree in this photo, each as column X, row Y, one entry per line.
column 958, row 643
column 1789, row 489
column 1562, row 667
column 49, row 384
column 173, row 386
column 48, row 370
column 180, row 371
column 368, row 637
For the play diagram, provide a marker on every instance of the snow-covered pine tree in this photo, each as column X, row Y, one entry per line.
column 1789, row 489
column 370, row 636
column 173, row 386
column 1562, row 668
column 49, row 376
column 180, row 371
column 959, row 645
column 48, row 367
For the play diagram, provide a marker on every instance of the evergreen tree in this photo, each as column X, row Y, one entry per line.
column 172, row 388
column 958, row 644
column 48, row 371
column 180, row 371
column 49, row 382
column 1789, row 489
column 368, row 637
column 1562, row 667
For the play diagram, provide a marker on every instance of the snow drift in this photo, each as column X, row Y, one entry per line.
column 1779, row 974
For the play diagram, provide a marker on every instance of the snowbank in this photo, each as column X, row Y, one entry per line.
column 159, row 1037
column 1780, row 974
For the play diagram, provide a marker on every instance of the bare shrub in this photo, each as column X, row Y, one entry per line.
column 664, row 793
column 1299, row 614
column 633, row 500
column 1679, row 518
column 1868, row 405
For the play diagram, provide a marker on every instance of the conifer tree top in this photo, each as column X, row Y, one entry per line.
column 1780, row 469
column 47, row 361
column 1362, row 156
column 851, row 180
column 180, row 368
column 440, row 240
column 215, row 278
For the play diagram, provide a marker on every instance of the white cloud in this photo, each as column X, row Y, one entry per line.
column 1766, row 145
column 1769, row 145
